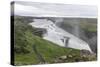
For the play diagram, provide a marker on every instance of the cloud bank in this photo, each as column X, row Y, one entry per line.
column 53, row 10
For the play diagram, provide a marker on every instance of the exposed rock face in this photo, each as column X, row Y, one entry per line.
column 85, row 52
column 70, row 56
column 63, row 57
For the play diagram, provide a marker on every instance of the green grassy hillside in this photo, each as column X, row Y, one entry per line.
column 31, row 48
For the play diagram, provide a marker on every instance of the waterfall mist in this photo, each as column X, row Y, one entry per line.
column 60, row 36
column 74, row 26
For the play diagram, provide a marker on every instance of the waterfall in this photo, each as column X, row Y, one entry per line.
column 59, row 36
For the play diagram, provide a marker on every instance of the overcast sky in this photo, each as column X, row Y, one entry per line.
column 48, row 9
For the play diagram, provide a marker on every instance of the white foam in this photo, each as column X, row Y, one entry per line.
column 56, row 34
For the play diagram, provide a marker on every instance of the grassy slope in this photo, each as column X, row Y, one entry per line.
column 89, row 24
column 28, row 46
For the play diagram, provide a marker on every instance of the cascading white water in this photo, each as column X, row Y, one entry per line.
column 59, row 36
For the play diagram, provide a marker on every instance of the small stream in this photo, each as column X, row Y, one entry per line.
column 39, row 56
